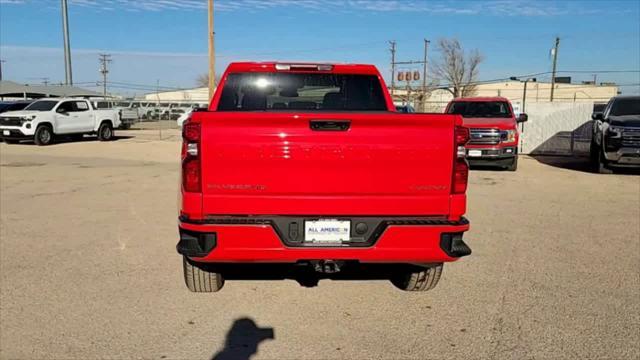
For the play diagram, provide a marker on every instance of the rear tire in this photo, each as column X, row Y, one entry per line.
column 199, row 279
column 43, row 136
column 105, row 131
column 421, row 280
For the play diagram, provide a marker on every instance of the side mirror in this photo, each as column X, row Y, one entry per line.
column 597, row 116
column 522, row 118
column 61, row 112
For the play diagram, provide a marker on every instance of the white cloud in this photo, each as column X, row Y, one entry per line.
column 488, row 7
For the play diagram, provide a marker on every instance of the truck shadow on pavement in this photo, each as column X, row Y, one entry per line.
column 577, row 163
column 243, row 339
column 306, row 276
column 61, row 139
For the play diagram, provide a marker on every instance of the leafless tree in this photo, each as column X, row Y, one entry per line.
column 458, row 69
column 202, row 80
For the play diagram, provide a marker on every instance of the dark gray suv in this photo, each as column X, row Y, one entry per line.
column 616, row 135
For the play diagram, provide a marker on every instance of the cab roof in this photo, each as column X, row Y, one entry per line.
column 296, row 66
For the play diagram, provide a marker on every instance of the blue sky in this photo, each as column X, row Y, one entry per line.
column 165, row 40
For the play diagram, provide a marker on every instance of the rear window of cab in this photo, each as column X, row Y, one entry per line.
column 301, row 92
column 480, row 109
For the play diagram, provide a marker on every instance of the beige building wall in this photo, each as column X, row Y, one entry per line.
column 541, row 91
column 197, row 94
column 537, row 92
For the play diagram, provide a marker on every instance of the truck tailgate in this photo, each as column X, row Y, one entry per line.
column 274, row 163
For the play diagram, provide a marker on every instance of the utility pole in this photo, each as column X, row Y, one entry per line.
column 212, row 52
column 1, row 61
column 422, row 62
column 553, row 72
column 393, row 65
column 595, row 79
column 45, row 81
column 68, row 78
column 424, row 76
column 105, row 59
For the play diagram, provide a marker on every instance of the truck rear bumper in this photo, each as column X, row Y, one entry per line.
column 398, row 242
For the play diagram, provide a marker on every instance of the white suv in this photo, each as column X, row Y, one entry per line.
column 42, row 120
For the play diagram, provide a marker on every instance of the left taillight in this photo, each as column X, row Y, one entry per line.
column 191, row 169
column 460, row 176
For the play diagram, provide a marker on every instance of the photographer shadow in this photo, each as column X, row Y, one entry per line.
column 242, row 340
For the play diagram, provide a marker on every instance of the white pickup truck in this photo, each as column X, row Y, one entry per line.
column 44, row 119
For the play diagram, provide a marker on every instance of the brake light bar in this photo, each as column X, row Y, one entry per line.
column 460, row 176
column 318, row 67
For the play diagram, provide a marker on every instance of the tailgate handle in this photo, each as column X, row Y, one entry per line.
column 330, row 125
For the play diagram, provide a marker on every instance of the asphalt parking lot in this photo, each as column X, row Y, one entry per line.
column 88, row 270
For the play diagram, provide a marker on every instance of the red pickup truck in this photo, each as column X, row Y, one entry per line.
column 493, row 131
column 310, row 164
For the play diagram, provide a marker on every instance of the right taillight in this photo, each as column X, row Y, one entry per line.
column 460, row 176
column 191, row 170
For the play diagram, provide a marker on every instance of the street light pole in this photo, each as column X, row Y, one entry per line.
column 68, row 78
column 524, row 99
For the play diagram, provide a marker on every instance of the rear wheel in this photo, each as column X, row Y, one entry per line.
column 200, row 279
column 43, row 135
column 418, row 280
column 105, row 132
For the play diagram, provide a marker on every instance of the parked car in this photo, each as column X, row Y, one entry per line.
column 310, row 164
column 174, row 114
column 127, row 117
column 494, row 134
column 130, row 113
column 406, row 109
column 44, row 119
column 615, row 142
column 6, row 106
column 180, row 121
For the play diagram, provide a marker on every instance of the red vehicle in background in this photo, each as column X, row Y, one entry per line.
column 310, row 165
column 493, row 130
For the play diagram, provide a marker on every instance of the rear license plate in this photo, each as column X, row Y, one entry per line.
column 474, row 153
column 6, row 132
column 327, row 231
